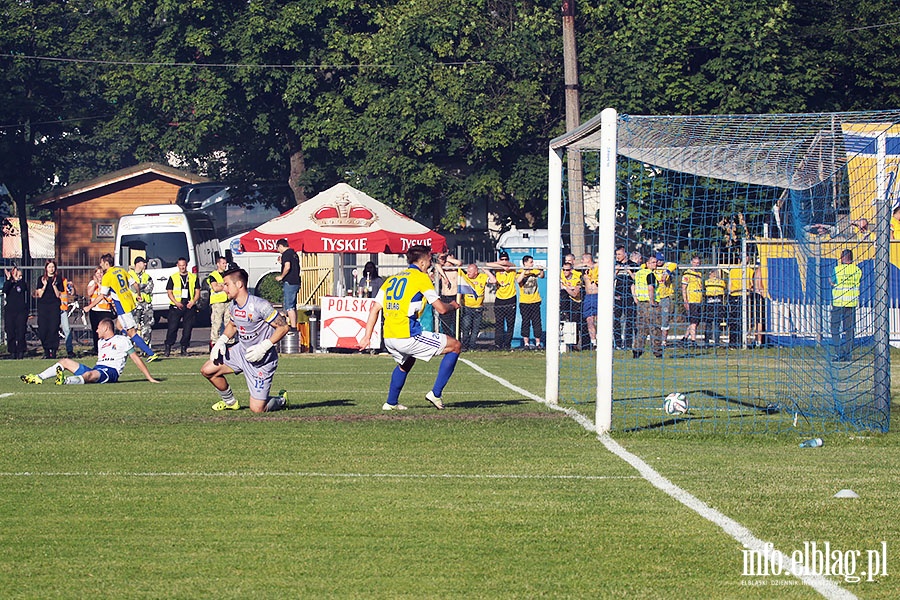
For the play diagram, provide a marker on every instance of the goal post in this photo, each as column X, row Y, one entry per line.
column 751, row 217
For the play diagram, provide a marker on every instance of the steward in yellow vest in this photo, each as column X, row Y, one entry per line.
column 647, row 310
column 142, row 286
column 714, row 314
column 219, row 315
column 184, row 293
column 214, row 296
column 844, row 299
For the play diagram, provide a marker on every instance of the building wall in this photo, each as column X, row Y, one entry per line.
column 78, row 219
column 86, row 223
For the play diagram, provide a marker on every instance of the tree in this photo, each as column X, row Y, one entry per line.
column 456, row 107
column 433, row 106
column 48, row 108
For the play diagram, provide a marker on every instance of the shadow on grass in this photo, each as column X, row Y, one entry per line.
column 486, row 403
column 326, row 403
column 767, row 409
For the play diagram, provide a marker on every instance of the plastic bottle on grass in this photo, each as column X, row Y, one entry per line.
column 813, row 443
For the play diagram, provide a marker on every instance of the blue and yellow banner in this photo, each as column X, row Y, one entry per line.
column 861, row 145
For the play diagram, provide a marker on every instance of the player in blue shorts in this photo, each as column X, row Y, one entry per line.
column 258, row 327
column 112, row 350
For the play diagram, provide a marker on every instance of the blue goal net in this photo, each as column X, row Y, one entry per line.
column 743, row 266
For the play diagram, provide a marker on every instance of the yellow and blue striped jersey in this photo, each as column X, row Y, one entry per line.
column 403, row 298
column 115, row 286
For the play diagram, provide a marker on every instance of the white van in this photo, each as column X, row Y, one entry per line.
column 163, row 233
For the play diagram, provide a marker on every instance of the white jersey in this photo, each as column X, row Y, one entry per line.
column 253, row 320
column 113, row 352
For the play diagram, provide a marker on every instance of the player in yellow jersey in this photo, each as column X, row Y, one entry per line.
column 402, row 298
column 114, row 286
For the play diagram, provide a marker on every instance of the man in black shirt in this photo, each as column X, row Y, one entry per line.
column 624, row 309
column 290, row 279
column 15, row 290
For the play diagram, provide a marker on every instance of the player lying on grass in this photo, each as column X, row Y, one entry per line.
column 402, row 298
column 259, row 328
column 112, row 349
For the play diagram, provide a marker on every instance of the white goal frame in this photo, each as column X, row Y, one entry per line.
column 599, row 132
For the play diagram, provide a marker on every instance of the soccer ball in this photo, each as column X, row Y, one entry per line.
column 675, row 404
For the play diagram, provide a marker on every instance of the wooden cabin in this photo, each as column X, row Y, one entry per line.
column 86, row 213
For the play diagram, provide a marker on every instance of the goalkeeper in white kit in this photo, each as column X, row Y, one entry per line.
column 258, row 327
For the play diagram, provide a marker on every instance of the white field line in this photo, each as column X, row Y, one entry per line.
column 6, row 395
column 253, row 474
column 825, row 587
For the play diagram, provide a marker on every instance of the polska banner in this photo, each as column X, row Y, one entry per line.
column 344, row 322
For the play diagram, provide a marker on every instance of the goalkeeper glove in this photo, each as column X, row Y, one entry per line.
column 258, row 351
column 217, row 354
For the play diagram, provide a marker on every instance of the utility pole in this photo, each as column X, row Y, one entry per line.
column 573, row 120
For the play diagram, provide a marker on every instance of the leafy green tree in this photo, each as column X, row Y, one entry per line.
column 433, row 106
column 48, row 108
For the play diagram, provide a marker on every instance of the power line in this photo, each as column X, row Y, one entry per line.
column 130, row 63
column 872, row 26
column 54, row 122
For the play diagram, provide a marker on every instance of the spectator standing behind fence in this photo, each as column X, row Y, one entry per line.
column 290, row 280
column 861, row 232
column 47, row 290
column 692, row 295
column 370, row 281
column 67, row 296
column 590, row 277
column 530, row 302
column 665, row 293
column 569, row 294
column 142, row 288
column 714, row 313
column 504, row 273
column 99, row 307
column 844, row 299
column 623, row 302
column 895, row 222
column 635, row 261
column 447, row 269
column 740, row 282
column 648, row 310
column 15, row 312
column 758, row 306
column 472, row 285
column 184, row 293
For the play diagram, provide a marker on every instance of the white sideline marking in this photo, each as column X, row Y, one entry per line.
column 6, row 395
column 308, row 474
column 824, row 586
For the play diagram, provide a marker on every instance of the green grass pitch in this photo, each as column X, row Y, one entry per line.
column 137, row 490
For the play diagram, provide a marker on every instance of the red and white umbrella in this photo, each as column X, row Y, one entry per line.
column 341, row 220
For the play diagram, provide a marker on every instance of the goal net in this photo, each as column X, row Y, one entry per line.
column 742, row 262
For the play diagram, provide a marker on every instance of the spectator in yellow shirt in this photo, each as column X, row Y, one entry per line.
column 530, row 302
column 692, row 294
column 472, row 286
